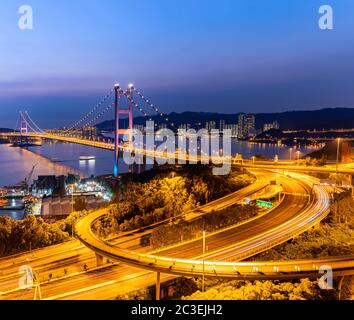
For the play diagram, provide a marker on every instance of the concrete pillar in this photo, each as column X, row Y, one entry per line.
column 99, row 260
column 158, row 285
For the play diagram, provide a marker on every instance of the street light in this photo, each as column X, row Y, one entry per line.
column 72, row 208
column 291, row 151
column 203, row 285
column 338, row 142
column 298, row 156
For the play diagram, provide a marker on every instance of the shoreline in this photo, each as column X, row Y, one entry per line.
column 50, row 167
column 58, row 163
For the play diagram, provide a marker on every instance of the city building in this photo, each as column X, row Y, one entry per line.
column 233, row 128
column 62, row 206
column 211, row 125
column 221, row 125
column 246, row 125
column 185, row 126
column 272, row 125
column 48, row 185
column 162, row 126
column 139, row 127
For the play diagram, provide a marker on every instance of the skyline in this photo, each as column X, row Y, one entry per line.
column 196, row 58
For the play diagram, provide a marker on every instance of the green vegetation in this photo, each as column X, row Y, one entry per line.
column 22, row 235
column 31, row 233
column 165, row 193
column 264, row 290
column 187, row 230
column 140, row 200
column 312, row 162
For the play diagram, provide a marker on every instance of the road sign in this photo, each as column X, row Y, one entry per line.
column 265, row 204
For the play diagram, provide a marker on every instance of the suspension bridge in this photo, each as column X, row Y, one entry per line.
column 26, row 128
column 298, row 213
column 124, row 102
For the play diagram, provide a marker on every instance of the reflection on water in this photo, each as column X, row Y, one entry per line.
column 16, row 163
column 16, row 215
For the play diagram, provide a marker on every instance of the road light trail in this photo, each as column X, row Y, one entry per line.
column 307, row 217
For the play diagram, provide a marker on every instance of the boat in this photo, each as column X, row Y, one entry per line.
column 87, row 158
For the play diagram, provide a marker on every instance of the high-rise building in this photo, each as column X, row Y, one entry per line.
column 221, row 125
column 272, row 125
column 246, row 124
column 211, row 125
column 241, row 125
column 233, row 128
column 250, row 123
column 162, row 126
column 185, row 126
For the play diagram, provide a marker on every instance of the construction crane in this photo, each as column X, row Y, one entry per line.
column 28, row 179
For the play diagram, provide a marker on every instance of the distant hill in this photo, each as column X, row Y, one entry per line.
column 330, row 118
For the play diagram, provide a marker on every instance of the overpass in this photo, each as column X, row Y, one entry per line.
column 235, row 243
column 303, row 219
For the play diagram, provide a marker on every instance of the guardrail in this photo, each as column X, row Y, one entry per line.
column 221, row 269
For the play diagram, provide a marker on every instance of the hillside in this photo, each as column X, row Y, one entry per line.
column 330, row 118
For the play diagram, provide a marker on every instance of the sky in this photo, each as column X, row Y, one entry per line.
column 186, row 55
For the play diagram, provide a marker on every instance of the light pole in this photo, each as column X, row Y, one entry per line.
column 253, row 158
column 203, row 285
column 291, row 154
column 298, row 156
column 338, row 142
column 72, row 208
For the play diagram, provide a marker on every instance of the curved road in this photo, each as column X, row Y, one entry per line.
column 293, row 216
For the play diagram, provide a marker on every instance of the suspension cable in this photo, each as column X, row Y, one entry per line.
column 137, row 106
column 89, row 123
column 91, row 111
column 33, row 123
column 156, row 109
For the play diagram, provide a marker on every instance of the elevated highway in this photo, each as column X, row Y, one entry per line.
column 108, row 281
column 176, row 260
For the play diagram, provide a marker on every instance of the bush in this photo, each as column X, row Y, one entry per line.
column 22, row 235
column 187, row 230
column 264, row 290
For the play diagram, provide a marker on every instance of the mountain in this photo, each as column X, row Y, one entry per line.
column 329, row 118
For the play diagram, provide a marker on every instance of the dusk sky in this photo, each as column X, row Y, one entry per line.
column 186, row 55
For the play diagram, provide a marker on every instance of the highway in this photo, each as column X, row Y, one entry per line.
column 293, row 216
column 73, row 255
column 234, row 244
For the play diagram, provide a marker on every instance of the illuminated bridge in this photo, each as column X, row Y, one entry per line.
column 293, row 216
column 73, row 134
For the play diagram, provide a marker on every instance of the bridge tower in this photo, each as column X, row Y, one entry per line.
column 23, row 127
column 118, row 111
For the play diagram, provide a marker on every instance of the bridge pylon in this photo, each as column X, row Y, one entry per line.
column 118, row 111
column 23, row 127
